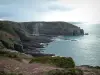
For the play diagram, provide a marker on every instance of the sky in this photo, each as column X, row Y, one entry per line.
column 50, row 10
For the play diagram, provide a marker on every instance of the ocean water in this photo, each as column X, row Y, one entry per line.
column 85, row 50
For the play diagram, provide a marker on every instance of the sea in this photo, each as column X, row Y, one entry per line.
column 85, row 50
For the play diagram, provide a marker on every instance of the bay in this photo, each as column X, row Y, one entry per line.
column 85, row 50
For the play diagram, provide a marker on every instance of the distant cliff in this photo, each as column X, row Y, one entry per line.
column 19, row 35
column 47, row 28
column 53, row 28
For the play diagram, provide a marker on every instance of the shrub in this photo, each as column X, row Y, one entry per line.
column 62, row 62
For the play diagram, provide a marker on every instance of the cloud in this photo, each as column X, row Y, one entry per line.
column 50, row 10
column 83, row 11
column 26, row 10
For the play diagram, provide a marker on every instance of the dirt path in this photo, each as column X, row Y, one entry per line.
column 25, row 68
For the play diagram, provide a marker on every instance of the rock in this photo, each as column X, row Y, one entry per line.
column 86, row 33
column 82, row 31
column 18, row 47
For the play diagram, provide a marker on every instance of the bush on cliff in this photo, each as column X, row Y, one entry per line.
column 62, row 62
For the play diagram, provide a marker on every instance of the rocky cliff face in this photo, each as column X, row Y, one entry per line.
column 53, row 28
column 47, row 28
column 19, row 35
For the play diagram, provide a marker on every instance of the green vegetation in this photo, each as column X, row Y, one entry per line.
column 62, row 62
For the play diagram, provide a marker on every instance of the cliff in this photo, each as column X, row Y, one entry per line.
column 19, row 35
column 53, row 28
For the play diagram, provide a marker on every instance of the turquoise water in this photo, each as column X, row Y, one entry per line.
column 85, row 50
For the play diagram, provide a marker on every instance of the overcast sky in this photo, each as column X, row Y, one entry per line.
column 50, row 10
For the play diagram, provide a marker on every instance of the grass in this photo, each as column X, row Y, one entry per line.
column 62, row 62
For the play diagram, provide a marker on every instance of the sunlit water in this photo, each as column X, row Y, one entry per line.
column 85, row 50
